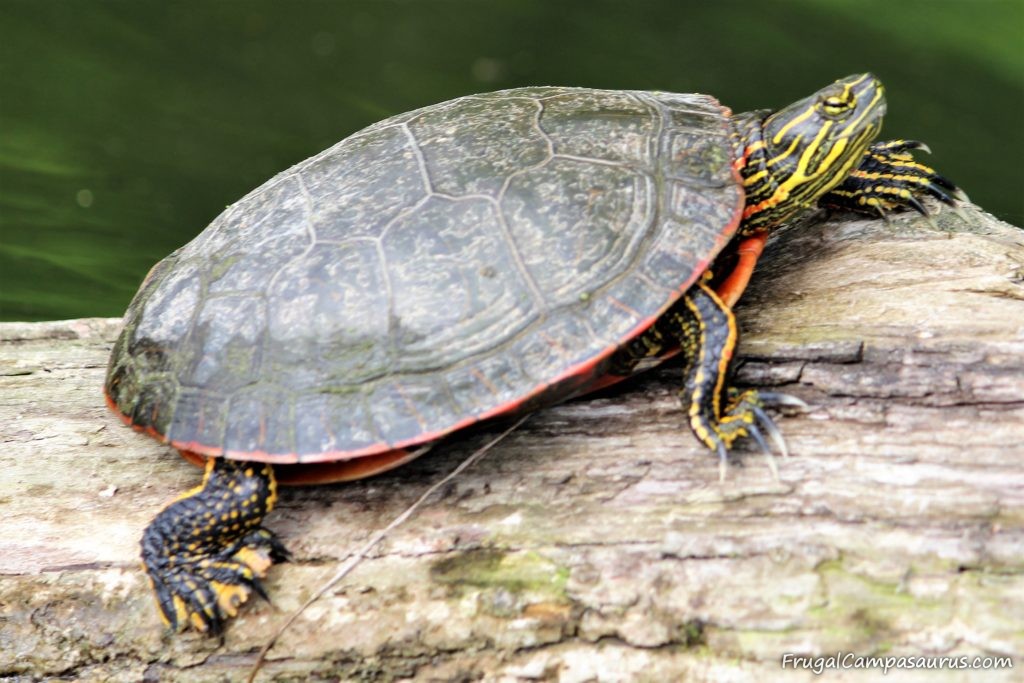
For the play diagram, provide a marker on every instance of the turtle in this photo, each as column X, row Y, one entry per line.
column 478, row 258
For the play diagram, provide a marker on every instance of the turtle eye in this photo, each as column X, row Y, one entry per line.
column 836, row 106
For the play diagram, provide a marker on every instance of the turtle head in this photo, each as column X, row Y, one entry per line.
column 797, row 154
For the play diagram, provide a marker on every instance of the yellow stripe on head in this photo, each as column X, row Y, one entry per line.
column 808, row 148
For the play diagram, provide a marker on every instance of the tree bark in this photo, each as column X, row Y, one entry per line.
column 595, row 542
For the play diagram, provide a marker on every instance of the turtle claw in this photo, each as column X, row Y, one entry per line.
column 769, row 426
column 901, row 147
column 943, row 194
column 759, row 438
column 916, row 205
column 774, row 398
column 918, row 145
column 257, row 588
column 206, row 552
column 961, row 214
column 746, row 417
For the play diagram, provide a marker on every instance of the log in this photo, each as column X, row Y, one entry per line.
column 595, row 542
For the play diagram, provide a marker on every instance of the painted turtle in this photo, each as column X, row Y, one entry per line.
column 483, row 256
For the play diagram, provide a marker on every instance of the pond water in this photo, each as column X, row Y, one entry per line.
column 125, row 127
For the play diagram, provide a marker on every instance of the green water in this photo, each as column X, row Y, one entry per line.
column 125, row 127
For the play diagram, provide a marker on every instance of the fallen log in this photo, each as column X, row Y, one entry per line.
column 595, row 542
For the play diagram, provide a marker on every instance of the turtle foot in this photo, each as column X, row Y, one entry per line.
column 206, row 552
column 888, row 178
column 745, row 416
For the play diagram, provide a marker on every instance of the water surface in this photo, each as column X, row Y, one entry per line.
column 125, row 127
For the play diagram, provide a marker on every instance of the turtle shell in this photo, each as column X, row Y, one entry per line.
column 472, row 258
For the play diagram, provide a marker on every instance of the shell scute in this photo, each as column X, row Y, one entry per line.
column 622, row 129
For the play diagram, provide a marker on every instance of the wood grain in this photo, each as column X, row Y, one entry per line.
column 595, row 543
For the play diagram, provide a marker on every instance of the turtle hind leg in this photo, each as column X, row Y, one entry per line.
column 206, row 552
column 888, row 178
column 718, row 417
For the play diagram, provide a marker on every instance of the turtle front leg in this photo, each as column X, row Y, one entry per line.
column 888, row 178
column 205, row 552
column 718, row 416
column 701, row 325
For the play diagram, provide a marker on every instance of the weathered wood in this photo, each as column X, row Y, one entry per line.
column 595, row 543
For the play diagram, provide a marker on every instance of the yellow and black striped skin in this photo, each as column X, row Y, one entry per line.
column 816, row 152
column 205, row 552
column 792, row 158
column 704, row 329
column 709, row 337
column 888, row 178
